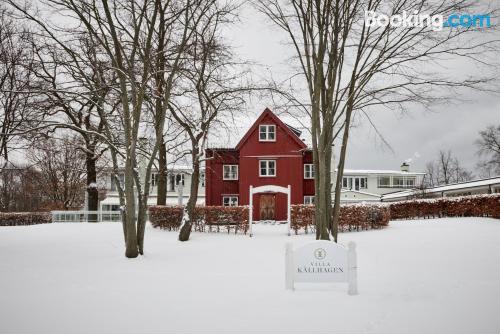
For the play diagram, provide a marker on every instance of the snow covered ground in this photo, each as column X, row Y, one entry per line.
column 428, row 276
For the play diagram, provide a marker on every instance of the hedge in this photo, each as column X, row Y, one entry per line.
column 24, row 218
column 466, row 206
column 206, row 218
column 353, row 217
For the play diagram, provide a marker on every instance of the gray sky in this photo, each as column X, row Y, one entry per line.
column 416, row 134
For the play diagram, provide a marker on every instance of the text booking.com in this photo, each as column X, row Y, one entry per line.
column 436, row 22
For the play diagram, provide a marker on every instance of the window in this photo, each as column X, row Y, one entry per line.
column 345, row 182
column 179, row 179
column 202, row 179
column 230, row 200
column 171, row 179
column 267, row 168
column 175, row 180
column 384, row 181
column 355, row 182
column 398, row 181
column 230, row 172
column 121, row 178
column 111, row 207
column 308, row 171
column 309, row 200
column 154, row 179
column 410, row 183
column 267, row 132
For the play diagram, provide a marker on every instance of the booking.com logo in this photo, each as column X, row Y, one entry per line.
column 436, row 22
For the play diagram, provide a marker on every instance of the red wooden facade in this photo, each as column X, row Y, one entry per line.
column 268, row 143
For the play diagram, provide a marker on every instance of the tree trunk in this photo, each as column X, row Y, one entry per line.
column 323, row 204
column 92, row 192
column 161, row 198
column 188, row 216
column 340, row 168
column 131, row 250
column 141, row 224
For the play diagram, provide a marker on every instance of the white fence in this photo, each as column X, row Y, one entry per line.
column 85, row 216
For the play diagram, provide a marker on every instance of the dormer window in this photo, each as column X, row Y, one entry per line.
column 267, row 132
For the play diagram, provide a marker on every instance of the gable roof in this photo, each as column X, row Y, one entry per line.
column 278, row 122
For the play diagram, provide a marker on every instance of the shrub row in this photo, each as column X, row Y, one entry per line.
column 206, row 218
column 353, row 217
column 24, row 218
column 466, row 206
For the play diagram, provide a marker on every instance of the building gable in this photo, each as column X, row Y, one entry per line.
column 269, row 118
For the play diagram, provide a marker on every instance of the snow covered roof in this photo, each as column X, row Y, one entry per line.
column 455, row 186
column 379, row 172
column 359, row 192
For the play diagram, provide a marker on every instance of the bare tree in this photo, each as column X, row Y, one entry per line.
column 62, row 171
column 126, row 31
column 489, row 148
column 347, row 65
column 19, row 190
column 77, row 83
column 446, row 169
column 213, row 85
column 17, row 84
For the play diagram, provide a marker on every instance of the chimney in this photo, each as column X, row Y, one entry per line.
column 405, row 167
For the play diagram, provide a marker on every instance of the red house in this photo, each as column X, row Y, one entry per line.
column 270, row 153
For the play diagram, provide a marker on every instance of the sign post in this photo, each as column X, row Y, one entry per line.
column 321, row 261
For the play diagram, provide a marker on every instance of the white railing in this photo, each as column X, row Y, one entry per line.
column 85, row 216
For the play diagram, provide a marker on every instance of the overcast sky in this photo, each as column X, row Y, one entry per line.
column 416, row 135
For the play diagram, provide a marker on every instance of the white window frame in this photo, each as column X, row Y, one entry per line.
column 173, row 182
column 409, row 180
column 154, row 179
column 401, row 182
column 267, row 168
column 232, row 200
column 309, row 174
column 266, row 128
column 351, row 182
column 380, row 185
column 235, row 175
column 202, row 179
column 309, row 200
column 179, row 181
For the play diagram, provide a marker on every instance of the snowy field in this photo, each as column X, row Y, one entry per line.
column 429, row 276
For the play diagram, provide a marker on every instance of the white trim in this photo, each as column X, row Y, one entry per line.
column 267, row 132
column 267, row 168
column 224, row 172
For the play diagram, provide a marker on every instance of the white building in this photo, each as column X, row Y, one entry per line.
column 476, row 187
column 357, row 185
column 178, row 188
column 370, row 185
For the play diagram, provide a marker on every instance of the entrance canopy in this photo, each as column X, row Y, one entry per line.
column 269, row 189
